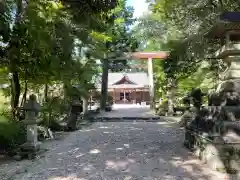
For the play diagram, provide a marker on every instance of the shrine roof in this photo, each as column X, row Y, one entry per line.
column 226, row 21
column 139, row 79
column 126, row 86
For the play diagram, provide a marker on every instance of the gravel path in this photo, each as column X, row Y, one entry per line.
column 129, row 110
column 121, row 151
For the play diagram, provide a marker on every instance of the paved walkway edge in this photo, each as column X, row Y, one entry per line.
column 125, row 118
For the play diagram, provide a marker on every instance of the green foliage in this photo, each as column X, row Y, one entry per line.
column 46, row 34
column 56, row 44
column 191, row 20
column 122, row 39
column 12, row 134
column 162, row 109
column 179, row 27
column 202, row 78
column 3, row 100
column 110, row 100
column 90, row 6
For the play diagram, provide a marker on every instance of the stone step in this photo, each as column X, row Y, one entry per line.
column 218, row 155
column 125, row 118
column 229, row 139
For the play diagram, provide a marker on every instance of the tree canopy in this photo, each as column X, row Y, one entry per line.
column 179, row 27
column 46, row 42
column 191, row 20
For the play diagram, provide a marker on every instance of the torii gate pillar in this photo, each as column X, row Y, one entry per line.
column 151, row 83
column 150, row 56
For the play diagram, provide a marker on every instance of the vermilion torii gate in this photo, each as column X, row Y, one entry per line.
column 150, row 56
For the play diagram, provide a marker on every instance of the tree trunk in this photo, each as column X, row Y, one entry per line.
column 24, row 94
column 65, row 91
column 13, row 53
column 16, row 91
column 75, row 109
column 104, row 89
column 46, row 93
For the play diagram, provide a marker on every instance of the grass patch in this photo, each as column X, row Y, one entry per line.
column 3, row 99
column 12, row 134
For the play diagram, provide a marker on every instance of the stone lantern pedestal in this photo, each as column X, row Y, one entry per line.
column 32, row 145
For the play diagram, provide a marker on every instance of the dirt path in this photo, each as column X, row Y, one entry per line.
column 121, row 151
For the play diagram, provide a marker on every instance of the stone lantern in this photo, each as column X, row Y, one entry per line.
column 227, row 29
column 224, row 109
column 32, row 109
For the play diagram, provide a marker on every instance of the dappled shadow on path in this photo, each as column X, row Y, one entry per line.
column 125, row 151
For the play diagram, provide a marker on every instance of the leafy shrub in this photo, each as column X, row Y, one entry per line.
column 164, row 104
column 53, row 124
column 110, row 100
column 163, row 107
column 12, row 133
column 53, row 111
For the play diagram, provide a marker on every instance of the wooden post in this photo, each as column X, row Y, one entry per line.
column 114, row 95
column 143, row 95
column 151, row 83
column 135, row 96
column 124, row 95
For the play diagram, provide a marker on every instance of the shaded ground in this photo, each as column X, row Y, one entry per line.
column 121, row 151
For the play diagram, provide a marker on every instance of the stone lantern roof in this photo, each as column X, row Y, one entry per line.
column 227, row 29
column 227, row 21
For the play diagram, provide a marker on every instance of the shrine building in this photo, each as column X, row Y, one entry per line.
column 128, row 88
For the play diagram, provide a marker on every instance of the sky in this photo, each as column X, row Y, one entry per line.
column 140, row 6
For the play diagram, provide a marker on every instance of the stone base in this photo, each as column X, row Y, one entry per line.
column 216, row 163
column 208, row 152
column 29, row 155
column 223, row 157
column 186, row 118
column 211, row 156
column 229, row 85
column 30, row 146
column 29, row 150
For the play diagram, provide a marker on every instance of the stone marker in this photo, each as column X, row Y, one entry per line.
column 76, row 109
column 50, row 133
